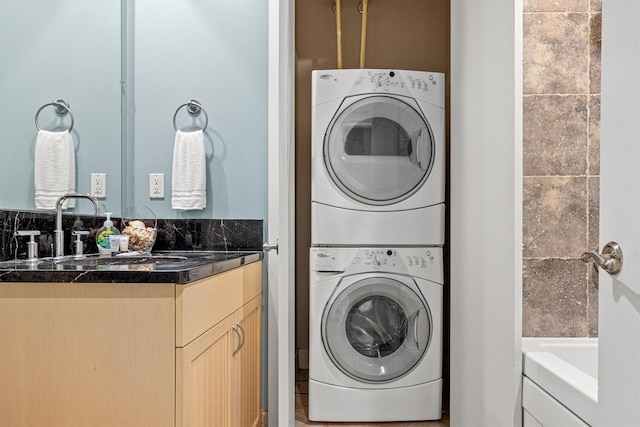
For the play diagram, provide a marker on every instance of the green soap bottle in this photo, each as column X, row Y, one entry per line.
column 102, row 238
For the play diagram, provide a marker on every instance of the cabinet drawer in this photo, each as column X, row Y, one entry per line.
column 251, row 281
column 202, row 304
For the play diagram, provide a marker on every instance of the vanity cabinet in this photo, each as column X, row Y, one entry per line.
column 132, row 354
column 218, row 371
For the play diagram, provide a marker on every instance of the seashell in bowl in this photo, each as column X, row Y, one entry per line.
column 141, row 227
column 140, row 238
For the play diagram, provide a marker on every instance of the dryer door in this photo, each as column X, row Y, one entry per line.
column 377, row 329
column 379, row 150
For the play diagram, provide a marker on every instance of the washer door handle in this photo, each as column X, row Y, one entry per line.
column 415, row 329
column 417, row 139
column 414, row 319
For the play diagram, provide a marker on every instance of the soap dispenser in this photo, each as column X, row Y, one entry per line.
column 102, row 238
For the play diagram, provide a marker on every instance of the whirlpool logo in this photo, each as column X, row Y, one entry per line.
column 327, row 77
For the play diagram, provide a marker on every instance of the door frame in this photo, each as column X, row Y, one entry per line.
column 485, row 209
column 486, row 212
column 281, row 223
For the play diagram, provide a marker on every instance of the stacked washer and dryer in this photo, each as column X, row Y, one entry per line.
column 377, row 235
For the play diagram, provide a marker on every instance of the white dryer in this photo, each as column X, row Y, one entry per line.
column 375, row 334
column 378, row 158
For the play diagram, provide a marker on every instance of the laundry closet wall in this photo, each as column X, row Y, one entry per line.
column 401, row 34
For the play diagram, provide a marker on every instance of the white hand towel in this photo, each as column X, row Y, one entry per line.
column 189, row 185
column 55, row 168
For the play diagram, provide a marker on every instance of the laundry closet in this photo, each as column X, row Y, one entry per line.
column 400, row 35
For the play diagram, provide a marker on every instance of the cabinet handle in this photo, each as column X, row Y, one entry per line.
column 235, row 329
column 243, row 334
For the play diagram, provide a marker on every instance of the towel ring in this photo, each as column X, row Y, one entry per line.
column 62, row 108
column 193, row 107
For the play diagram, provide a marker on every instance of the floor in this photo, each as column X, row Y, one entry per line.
column 302, row 405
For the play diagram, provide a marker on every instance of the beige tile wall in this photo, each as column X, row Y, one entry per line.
column 561, row 165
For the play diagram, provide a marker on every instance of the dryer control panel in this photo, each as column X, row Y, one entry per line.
column 331, row 85
column 425, row 262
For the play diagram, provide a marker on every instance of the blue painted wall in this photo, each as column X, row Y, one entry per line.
column 64, row 49
column 215, row 52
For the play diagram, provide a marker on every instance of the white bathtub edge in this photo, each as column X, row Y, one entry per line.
column 572, row 387
column 545, row 411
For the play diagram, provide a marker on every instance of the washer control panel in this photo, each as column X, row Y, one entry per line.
column 425, row 262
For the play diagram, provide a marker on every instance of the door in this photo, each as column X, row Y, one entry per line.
column 619, row 300
column 376, row 329
column 379, row 150
column 246, row 368
column 204, row 377
column 280, row 294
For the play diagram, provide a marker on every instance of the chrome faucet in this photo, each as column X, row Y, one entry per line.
column 59, row 232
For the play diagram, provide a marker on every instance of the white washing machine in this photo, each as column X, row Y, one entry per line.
column 378, row 158
column 375, row 334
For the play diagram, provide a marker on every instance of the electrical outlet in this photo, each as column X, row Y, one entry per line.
column 99, row 185
column 156, row 185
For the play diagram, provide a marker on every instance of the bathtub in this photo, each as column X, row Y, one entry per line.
column 560, row 383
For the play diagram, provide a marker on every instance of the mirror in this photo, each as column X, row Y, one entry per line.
column 51, row 50
column 169, row 52
column 217, row 53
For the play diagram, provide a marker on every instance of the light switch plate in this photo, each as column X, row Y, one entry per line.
column 99, row 185
column 156, row 185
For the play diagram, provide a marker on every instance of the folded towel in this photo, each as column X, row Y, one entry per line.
column 55, row 168
column 189, row 185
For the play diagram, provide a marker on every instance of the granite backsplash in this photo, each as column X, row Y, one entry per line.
column 173, row 234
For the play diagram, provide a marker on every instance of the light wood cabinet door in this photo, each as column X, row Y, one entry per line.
column 246, row 368
column 218, row 374
column 204, row 373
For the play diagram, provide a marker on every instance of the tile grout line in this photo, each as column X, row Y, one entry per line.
column 589, row 148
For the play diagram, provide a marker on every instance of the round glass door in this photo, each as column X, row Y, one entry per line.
column 379, row 150
column 377, row 329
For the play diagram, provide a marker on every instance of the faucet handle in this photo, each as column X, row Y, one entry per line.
column 31, row 233
column 32, row 247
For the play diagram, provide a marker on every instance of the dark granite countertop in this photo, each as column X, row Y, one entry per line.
column 160, row 267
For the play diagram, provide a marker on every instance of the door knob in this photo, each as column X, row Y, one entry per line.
column 610, row 260
column 270, row 247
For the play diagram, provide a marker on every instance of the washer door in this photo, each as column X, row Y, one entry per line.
column 377, row 329
column 379, row 150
